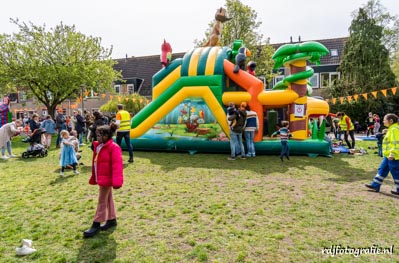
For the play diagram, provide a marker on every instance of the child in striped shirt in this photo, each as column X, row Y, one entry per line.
column 284, row 135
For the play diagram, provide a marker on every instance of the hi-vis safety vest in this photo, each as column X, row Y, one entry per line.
column 344, row 126
column 391, row 142
column 124, row 118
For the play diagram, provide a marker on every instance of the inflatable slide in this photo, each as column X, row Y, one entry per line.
column 188, row 108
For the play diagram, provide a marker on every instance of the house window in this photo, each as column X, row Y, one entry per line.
column 263, row 79
column 22, row 96
column 334, row 52
column 327, row 79
column 117, row 88
column 278, row 78
column 130, row 88
column 314, row 80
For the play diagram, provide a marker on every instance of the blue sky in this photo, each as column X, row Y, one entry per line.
column 137, row 28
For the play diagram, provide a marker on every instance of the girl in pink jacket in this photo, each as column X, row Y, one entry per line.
column 107, row 172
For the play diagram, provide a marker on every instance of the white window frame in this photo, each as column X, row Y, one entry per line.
column 315, row 76
column 334, row 52
column 330, row 74
column 130, row 88
column 118, row 88
column 278, row 78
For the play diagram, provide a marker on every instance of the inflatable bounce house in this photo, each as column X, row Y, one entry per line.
column 190, row 96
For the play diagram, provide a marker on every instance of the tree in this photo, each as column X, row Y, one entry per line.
column 244, row 26
column 54, row 65
column 389, row 23
column 365, row 64
column 132, row 103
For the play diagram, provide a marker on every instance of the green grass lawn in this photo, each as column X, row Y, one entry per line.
column 177, row 207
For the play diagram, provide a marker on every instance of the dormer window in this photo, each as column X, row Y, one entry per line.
column 334, row 52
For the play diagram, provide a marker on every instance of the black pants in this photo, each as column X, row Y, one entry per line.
column 352, row 135
column 125, row 135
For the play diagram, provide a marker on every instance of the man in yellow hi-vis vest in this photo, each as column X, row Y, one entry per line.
column 123, row 122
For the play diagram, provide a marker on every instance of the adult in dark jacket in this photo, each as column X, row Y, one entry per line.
column 236, row 131
column 34, row 122
column 99, row 120
column 80, row 126
column 60, row 124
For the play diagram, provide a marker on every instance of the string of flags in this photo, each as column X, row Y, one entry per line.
column 366, row 96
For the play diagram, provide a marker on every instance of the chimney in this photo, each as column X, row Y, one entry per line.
column 290, row 39
column 299, row 38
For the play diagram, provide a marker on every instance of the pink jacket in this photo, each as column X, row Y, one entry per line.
column 109, row 165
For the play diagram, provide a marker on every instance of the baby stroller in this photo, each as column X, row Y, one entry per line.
column 35, row 148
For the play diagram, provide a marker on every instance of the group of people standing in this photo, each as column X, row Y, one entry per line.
column 343, row 125
column 107, row 162
column 373, row 124
column 242, row 121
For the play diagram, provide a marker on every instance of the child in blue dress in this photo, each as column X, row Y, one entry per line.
column 68, row 154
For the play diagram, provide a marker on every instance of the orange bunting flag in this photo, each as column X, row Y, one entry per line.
column 394, row 90
column 133, row 99
column 103, row 95
column 341, row 99
column 95, row 93
column 364, row 95
column 384, row 91
column 119, row 98
column 87, row 93
column 141, row 100
column 334, row 100
column 355, row 97
column 126, row 99
column 374, row 94
column 349, row 98
column 111, row 97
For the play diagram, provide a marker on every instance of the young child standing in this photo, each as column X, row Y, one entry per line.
column 107, row 172
column 390, row 151
column 68, row 154
column 284, row 135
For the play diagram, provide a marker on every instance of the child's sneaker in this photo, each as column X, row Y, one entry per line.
column 231, row 158
column 62, row 174
column 243, row 158
column 4, row 157
column 75, row 172
column 12, row 156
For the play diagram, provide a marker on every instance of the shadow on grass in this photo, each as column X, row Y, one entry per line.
column 338, row 165
column 101, row 248
column 384, row 194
